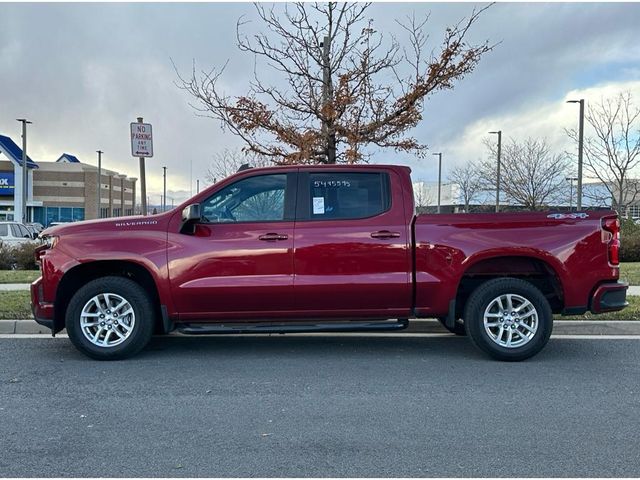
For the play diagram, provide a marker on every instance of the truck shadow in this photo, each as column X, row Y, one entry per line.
column 321, row 346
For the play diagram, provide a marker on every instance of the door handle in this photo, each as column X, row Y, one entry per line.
column 385, row 234
column 272, row 237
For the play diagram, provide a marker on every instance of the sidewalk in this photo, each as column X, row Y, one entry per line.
column 7, row 287
column 560, row 327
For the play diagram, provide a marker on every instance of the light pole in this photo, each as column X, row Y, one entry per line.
column 571, row 180
column 499, row 133
column 23, row 200
column 439, row 177
column 99, row 152
column 580, row 147
column 164, row 189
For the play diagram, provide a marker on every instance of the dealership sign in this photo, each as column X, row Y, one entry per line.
column 7, row 184
column 141, row 140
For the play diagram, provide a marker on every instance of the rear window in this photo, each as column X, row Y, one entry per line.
column 4, row 231
column 345, row 196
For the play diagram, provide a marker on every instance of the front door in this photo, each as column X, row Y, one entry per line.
column 238, row 263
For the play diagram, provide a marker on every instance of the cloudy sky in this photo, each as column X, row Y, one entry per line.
column 83, row 72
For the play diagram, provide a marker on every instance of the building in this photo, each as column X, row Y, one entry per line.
column 595, row 195
column 62, row 191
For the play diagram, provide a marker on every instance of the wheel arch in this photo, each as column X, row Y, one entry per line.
column 540, row 272
column 86, row 272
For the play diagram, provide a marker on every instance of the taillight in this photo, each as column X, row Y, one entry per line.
column 612, row 226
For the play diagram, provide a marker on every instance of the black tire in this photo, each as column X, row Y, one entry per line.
column 480, row 300
column 458, row 328
column 140, row 303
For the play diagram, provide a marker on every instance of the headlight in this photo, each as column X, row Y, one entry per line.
column 49, row 241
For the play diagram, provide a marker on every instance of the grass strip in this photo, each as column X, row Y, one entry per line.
column 18, row 276
column 17, row 305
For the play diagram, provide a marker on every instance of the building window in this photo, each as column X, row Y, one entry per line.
column 66, row 214
column 116, row 212
column 633, row 211
column 78, row 214
column 129, row 211
column 39, row 215
column 104, row 212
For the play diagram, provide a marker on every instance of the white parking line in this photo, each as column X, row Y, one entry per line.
column 338, row 335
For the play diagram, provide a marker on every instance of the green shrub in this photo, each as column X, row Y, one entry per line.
column 629, row 228
column 24, row 255
column 630, row 247
column 19, row 257
column 6, row 258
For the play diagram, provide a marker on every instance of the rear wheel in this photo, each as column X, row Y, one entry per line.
column 110, row 318
column 509, row 319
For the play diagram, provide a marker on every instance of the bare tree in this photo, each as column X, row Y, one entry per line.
column 532, row 176
column 347, row 86
column 469, row 181
column 612, row 147
column 423, row 196
column 228, row 161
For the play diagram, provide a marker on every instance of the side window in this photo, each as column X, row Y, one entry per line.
column 254, row 199
column 4, row 231
column 15, row 231
column 348, row 195
column 24, row 232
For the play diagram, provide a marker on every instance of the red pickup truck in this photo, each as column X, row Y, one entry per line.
column 324, row 249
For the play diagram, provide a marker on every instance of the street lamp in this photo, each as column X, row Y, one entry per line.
column 164, row 189
column 571, row 180
column 499, row 133
column 439, row 177
column 23, row 200
column 580, row 146
column 99, row 152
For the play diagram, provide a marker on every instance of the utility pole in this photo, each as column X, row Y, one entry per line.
column 327, row 94
column 164, row 190
column 499, row 133
column 580, row 147
column 23, row 200
column 100, row 152
column 198, row 186
column 439, row 177
column 143, row 181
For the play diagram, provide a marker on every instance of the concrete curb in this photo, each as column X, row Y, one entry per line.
column 560, row 327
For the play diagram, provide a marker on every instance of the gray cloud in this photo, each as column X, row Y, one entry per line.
column 82, row 72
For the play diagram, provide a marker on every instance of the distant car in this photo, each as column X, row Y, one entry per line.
column 38, row 226
column 14, row 234
column 32, row 230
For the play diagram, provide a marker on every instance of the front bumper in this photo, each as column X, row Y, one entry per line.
column 609, row 297
column 42, row 311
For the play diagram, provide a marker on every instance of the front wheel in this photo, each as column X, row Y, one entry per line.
column 509, row 319
column 110, row 318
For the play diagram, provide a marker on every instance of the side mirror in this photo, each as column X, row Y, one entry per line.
column 190, row 215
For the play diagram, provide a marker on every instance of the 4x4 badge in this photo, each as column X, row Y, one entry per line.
column 560, row 216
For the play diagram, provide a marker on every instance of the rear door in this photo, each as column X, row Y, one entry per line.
column 352, row 245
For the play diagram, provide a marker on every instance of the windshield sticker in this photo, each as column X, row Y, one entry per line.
column 560, row 216
column 318, row 205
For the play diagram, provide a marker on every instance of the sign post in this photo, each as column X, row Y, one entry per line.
column 142, row 147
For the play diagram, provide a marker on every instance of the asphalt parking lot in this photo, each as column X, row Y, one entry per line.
column 319, row 406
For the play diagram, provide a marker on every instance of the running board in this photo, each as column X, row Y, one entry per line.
column 206, row 329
